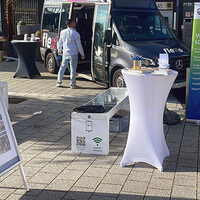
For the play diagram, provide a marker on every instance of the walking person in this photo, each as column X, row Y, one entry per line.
column 70, row 45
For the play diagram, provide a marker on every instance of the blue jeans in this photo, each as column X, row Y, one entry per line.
column 73, row 61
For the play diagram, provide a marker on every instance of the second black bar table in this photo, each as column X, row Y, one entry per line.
column 26, row 58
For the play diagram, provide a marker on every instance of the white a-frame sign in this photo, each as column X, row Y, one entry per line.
column 9, row 153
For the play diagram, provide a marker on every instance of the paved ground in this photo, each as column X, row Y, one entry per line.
column 53, row 173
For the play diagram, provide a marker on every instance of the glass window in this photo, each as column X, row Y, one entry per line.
column 140, row 26
column 64, row 15
column 51, row 19
column 100, row 26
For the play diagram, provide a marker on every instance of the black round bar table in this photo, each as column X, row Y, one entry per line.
column 26, row 67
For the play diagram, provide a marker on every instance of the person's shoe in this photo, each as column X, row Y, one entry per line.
column 74, row 86
column 58, row 85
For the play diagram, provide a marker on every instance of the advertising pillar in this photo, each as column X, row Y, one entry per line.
column 193, row 106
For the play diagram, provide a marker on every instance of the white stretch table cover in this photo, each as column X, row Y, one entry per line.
column 147, row 96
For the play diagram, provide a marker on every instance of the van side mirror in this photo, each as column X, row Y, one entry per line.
column 108, row 37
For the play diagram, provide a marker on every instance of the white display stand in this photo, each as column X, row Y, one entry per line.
column 90, row 131
column 147, row 97
column 4, row 90
column 9, row 152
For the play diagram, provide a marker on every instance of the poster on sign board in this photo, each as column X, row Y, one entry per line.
column 193, row 108
column 9, row 153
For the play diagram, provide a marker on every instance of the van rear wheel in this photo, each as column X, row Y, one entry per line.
column 51, row 64
column 118, row 79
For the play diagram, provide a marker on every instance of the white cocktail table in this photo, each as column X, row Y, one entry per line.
column 147, row 96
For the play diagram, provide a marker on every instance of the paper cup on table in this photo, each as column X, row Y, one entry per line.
column 25, row 37
column 32, row 37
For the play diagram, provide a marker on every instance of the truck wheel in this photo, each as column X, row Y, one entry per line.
column 118, row 79
column 51, row 64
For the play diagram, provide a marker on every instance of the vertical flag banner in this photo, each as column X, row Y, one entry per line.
column 193, row 106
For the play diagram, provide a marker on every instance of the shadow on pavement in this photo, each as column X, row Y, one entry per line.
column 84, row 195
column 11, row 66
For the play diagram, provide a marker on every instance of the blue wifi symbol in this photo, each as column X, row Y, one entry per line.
column 97, row 140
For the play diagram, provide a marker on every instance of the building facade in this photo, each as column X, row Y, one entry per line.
column 28, row 11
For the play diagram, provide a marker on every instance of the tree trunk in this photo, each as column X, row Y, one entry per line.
column 9, row 19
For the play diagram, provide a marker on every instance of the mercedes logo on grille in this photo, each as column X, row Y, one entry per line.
column 179, row 64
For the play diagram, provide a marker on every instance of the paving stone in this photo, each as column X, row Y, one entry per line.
column 108, row 190
column 53, row 168
column 130, row 196
column 34, row 189
column 160, row 183
column 81, row 166
column 61, row 185
column 100, row 197
column 163, row 175
column 21, row 197
column 116, row 179
column 186, row 171
column 12, row 181
column 116, row 169
column 139, row 176
column 104, row 161
column 183, row 192
column 143, row 167
column 28, row 170
column 5, row 192
column 42, row 177
column 135, row 186
column 27, row 156
column 156, row 198
column 188, row 155
column 46, row 154
column 38, row 162
column 50, row 195
column 185, row 181
column 187, row 163
column 191, row 128
column 89, row 182
column 96, row 172
column 72, row 175
column 157, row 194
column 79, row 193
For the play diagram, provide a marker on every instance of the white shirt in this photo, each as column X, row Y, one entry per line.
column 70, row 42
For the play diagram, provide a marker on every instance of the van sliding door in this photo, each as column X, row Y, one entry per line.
column 101, row 18
column 65, row 15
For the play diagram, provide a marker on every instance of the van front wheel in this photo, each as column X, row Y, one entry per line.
column 51, row 64
column 118, row 79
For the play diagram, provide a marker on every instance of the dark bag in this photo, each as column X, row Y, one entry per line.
column 171, row 117
column 90, row 109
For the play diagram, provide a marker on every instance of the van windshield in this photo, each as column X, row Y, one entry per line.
column 134, row 25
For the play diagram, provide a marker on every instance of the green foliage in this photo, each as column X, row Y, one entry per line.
column 37, row 34
column 21, row 23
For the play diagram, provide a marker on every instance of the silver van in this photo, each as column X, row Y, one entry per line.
column 112, row 31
